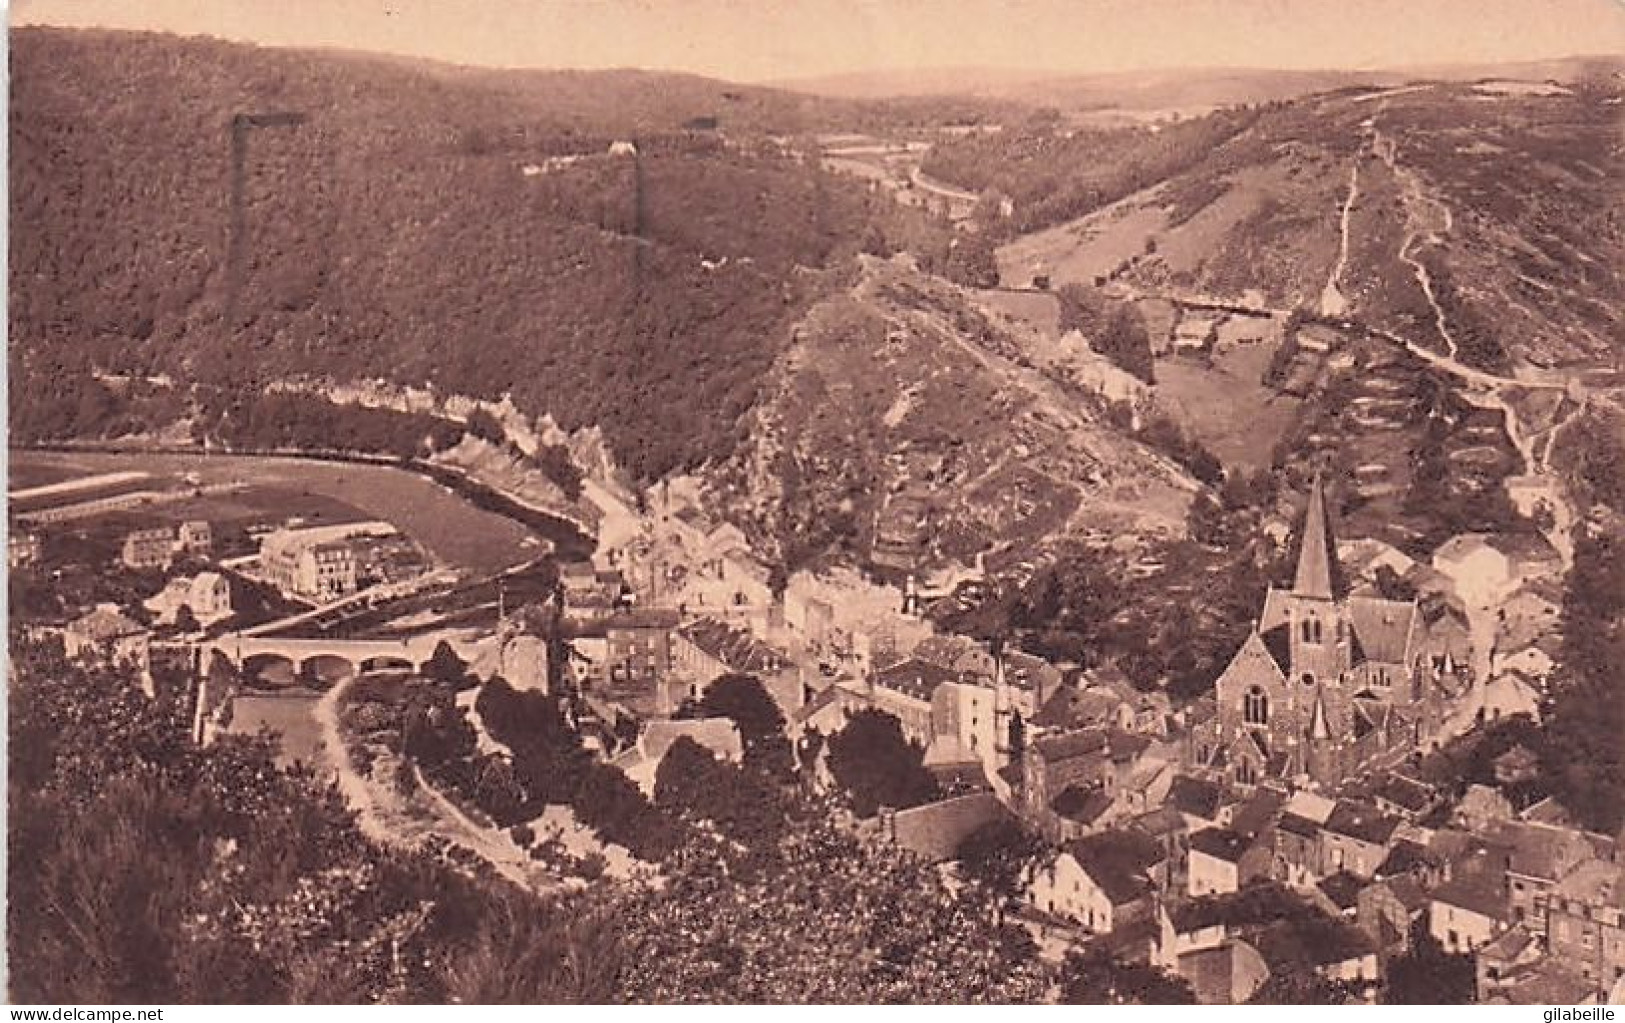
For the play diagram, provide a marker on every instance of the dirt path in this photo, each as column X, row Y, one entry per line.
column 1332, row 302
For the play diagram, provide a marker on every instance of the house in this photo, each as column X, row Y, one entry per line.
column 207, row 595
column 641, row 762
column 1501, row 962
column 1586, row 926
column 906, row 691
column 22, row 549
column 195, row 536
column 638, row 658
column 1088, row 760
column 1511, row 692
column 1405, row 797
column 1227, row 974
column 706, row 649
column 1355, row 838
column 1482, row 574
column 1530, row 556
column 1222, row 861
column 1388, row 910
column 105, row 633
column 1532, row 661
column 1102, row 881
column 1308, row 939
column 588, row 592
column 148, row 548
column 1528, row 615
column 1338, row 894
column 1469, row 910
column 317, row 562
column 1197, row 800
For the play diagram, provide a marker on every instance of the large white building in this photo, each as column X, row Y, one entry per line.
column 317, row 562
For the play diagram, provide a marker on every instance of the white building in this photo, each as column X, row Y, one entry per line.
column 1482, row 575
column 207, row 595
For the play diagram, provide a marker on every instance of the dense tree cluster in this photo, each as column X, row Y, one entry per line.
column 877, row 766
column 1054, row 175
column 395, row 234
column 1116, row 330
column 1583, row 753
column 144, row 869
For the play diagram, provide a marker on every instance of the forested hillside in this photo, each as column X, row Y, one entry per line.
column 414, row 228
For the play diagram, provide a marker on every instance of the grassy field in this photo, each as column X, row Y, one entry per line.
column 454, row 531
column 22, row 477
column 290, row 715
column 1231, row 412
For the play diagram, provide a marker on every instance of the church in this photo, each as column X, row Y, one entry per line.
column 1327, row 682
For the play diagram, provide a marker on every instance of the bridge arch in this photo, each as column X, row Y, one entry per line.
column 324, row 671
column 269, row 670
column 387, row 663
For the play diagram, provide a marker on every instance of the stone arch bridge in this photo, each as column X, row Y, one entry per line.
column 334, row 659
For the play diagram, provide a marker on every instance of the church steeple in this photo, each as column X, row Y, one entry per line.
column 1317, row 557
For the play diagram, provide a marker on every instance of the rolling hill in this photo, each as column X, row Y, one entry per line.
column 424, row 225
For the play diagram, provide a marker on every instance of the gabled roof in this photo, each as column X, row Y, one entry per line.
column 1117, row 861
column 1195, row 796
column 914, row 677
column 1067, row 745
column 1404, row 857
column 1311, row 806
column 1342, row 888
column 1407, row 892
column 105, row 624
column 1221, row 844
column 1083, row 804
column 1361, row 821
column 1406, row 793
column 735, row 648
column 1475, row 891
column 1260, row 811
column 1255, row 664
column 1383, row 628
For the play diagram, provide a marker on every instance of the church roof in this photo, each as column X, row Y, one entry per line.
column 1317, row 575
column 1254, row 663
column 1383, row 628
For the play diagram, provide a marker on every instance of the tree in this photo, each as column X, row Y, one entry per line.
column 877, row 767
column 825, row 918
column 692, row 782
column 1097, row 978
column 745, row 701
column 1428, row 975
column 998, row 855
column 185, row 620
column 446, row 669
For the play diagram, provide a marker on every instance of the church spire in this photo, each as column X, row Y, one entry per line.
column 1317, row 558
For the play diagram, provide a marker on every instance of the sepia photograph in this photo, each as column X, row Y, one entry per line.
column 797, row 502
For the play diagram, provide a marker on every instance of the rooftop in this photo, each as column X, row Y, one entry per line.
column 914, row 677
column 1195, row 796
column 1361, row 821
column 1117, row 861
column 1221, row 844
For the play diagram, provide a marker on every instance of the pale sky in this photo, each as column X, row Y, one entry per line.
column 755, row 40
